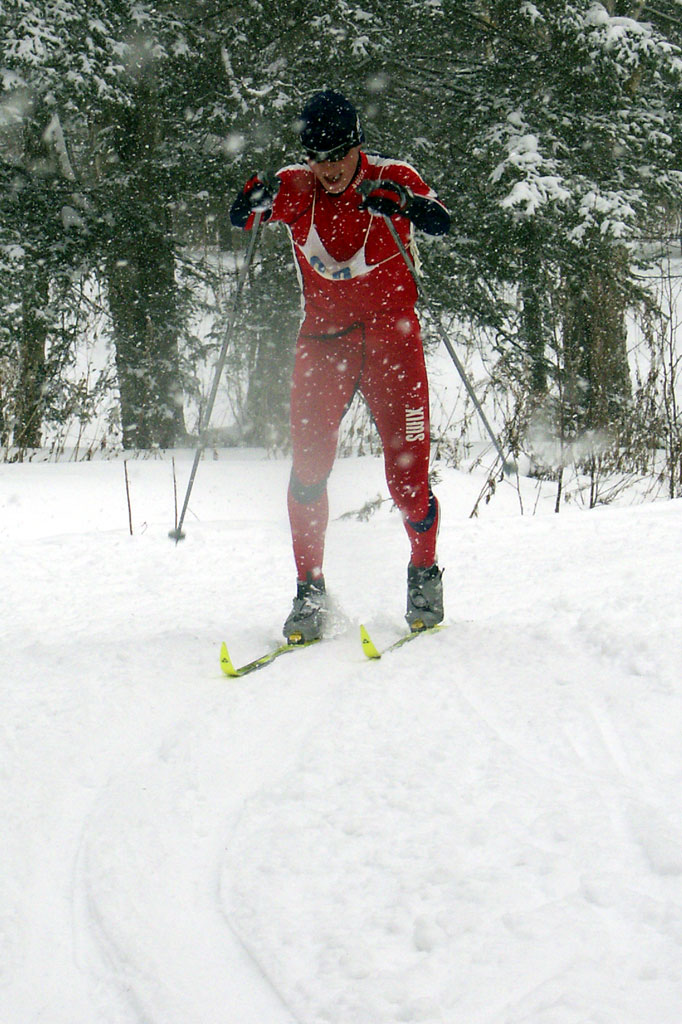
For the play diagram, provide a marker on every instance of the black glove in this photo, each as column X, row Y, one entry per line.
column 386, row 198
column 257, row 195
column 389, row 198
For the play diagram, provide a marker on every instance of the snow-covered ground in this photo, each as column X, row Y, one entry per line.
column 482, row 828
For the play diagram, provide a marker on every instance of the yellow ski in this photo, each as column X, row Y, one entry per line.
column 265, row 659
column 373, row 652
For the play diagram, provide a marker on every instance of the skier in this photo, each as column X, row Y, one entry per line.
column 359, row 332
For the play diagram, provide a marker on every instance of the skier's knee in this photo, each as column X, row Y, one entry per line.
column 425, row 524
column 306, row 494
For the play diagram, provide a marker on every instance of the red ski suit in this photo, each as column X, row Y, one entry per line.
column 360, row 332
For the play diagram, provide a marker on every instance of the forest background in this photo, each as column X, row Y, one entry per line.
column 552, row 131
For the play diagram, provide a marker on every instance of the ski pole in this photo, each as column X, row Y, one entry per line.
column 177, row 534
column 508, row 467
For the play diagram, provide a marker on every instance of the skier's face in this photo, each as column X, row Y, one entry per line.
column 336, row 175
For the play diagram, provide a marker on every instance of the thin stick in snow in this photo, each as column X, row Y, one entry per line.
column 130, row 511
column 175, row 495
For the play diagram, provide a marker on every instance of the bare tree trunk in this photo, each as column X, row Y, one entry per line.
column 595, row 343
column 33, row 326
column 143, row 293
column 32, row 338
column 142, row 301
column 533, row 317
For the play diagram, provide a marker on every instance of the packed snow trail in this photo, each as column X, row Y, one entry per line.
column 504, row 848
column 483, row 827
column 152, row 851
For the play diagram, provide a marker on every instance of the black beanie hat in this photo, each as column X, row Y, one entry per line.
column 329, row 121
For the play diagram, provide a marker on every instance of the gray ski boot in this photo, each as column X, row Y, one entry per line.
column 424, row 597
column 307, row 617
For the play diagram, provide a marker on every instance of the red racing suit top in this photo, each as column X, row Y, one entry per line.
column 349, row 266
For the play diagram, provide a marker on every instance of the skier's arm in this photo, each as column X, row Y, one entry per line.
column 428, row 215
column 391, row 198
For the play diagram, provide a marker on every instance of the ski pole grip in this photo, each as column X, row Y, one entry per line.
column 367, row 186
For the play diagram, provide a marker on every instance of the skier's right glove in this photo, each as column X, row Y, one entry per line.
column 257, row 195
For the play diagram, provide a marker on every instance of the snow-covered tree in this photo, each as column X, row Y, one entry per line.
column 571, row 142
column 102, row 93
column 54, row 62
column 552, row 131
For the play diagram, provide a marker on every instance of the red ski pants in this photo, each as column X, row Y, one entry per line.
column 382, row 357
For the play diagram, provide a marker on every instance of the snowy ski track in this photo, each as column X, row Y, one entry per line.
column 482, row 828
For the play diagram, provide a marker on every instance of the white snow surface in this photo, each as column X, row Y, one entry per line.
column 484, row 827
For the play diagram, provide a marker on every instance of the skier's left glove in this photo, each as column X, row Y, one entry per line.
column 386, row 198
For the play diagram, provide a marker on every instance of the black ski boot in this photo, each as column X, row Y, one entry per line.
column 424, row 597
column 307, row 617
